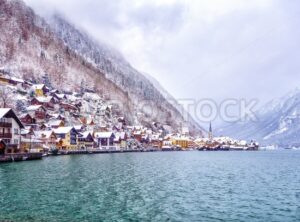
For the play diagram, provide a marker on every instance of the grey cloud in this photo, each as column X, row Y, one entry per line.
column 247, row 53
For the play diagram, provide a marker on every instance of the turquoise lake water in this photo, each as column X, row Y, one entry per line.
column 162, row 186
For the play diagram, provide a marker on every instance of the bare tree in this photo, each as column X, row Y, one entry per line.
column 5, row 97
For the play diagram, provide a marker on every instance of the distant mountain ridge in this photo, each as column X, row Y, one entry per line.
column 278, row 123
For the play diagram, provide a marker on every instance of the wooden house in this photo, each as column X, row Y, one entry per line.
column 39, row 89
column 47, row 102
column 68, row 136
column 38, row 112
column 85, row 140
column 27, row 119
column 104, row 139
column 10, row 130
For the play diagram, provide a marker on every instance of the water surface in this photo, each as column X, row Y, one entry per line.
column 164, row 186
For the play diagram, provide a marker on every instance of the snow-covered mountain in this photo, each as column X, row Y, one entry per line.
column 31, row 46
column 278, row 123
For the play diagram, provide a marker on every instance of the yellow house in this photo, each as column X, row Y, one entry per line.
column 68, row 137
column 181, row 142
column 39, row 89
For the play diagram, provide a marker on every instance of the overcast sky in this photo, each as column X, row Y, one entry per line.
column 199, row 49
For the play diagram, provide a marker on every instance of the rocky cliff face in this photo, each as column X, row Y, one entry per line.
column 31, row 47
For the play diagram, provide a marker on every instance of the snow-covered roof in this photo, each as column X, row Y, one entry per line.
column 25, row 131
column 85, row 134
column 42, row 99
column 61, row 96
column 104, row 134
column 32, row 140
column 43, row 134
column 57, row 115
column 4, row 111
column 17, row 79
column 33, row 107
column 38, row 86
column 63, row 130
column 55, row 122
column 78, row 127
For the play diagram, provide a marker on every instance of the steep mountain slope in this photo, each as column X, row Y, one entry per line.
column 174, row 102
column 119, row 71
column 30, row 47
column 278, row 123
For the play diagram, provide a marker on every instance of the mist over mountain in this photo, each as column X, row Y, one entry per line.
column 34, row 46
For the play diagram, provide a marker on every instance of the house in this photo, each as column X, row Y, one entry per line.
column 85, row 140
column 156, row 141
column 137, row 135
column 27, row 132
column 182, row 142
column 32, row 145
column 55, row 123
column 121, row 139
column 39, row 89
column 68, row 136
column 47, row 137
column 27, row 119
column 104, row 139
column 58, row 116
column 37, row 111
column 10, row 130
column 48, row 102
column 69, row 107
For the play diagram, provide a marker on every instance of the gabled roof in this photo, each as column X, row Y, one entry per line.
column 44, row 99
column 9, row 113
column 34, row 107
column 85, row 135
column 38, row 86
column 104, row 135
column 63, row 130
column 60, row 96
column 43, row 134
column 4, row 111
column 55, row 122
column 78, row 127
column 23, row 115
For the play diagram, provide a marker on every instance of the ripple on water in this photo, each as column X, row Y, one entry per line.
column 168, row 186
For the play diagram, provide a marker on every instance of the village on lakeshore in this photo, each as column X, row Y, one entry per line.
column 38, row 120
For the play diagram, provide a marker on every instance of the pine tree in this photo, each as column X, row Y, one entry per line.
column 47, row 81
column 20, row 106
column 82, row 86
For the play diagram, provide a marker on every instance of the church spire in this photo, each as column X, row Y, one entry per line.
column 210, row 135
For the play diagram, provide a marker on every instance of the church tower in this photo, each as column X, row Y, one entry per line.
column 210, row 134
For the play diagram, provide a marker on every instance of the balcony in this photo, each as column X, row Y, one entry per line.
column 5, row 135
column 5, row 124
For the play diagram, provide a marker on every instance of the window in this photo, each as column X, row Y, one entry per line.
column 7, row 141
column 16, row 131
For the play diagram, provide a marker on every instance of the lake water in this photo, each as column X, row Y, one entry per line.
column 162, row 186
